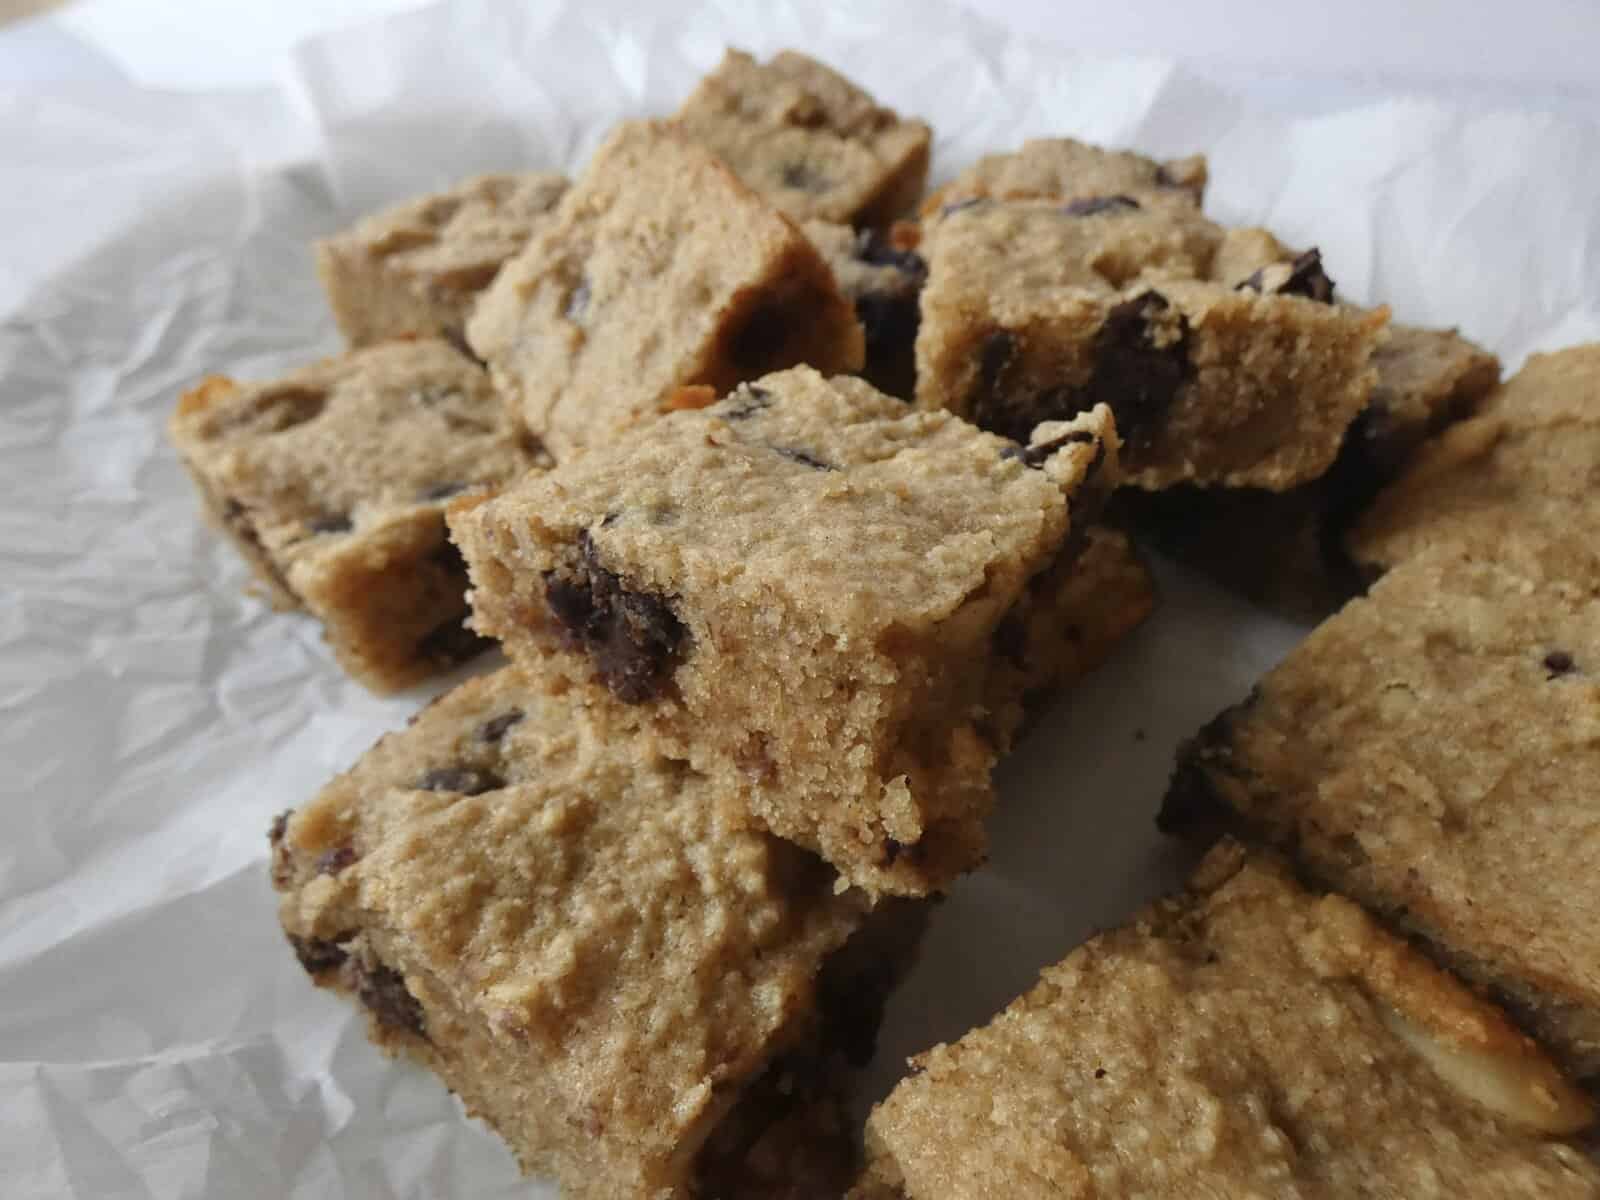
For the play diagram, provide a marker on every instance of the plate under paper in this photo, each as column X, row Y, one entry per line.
column 156, row 1037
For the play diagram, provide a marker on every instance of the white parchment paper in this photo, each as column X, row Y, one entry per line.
column 156, row 1038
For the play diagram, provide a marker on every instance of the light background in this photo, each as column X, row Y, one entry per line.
column 1298, row 53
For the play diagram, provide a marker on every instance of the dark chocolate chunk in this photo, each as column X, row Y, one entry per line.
column 745, row 402
column 384, row 991
column 803, row 458
column 330, row 523
column 1306, row 278
column 1091, row 206
column 995, row 356
column 804, row 177
column 1099, row 1072
column 1193, row 808
column 634, row 637
column 443, row 491
column 876, row 250
column 1559, row 663
column 1133, row 372
column 960, row 205
column 1037, row 456
column 331, row 862
column 317, row 954
column 889, row 322
column 494, row 729
column 469, row 781
column 577, row 306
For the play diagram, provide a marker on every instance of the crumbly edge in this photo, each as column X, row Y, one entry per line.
column 236, row 528
column 927, row 719
column 371, row 303
column 1309, row 430
column 1203, row 805
column 798, row 296
column 393, row 603
column 794, row 1097
column 1457, row 1034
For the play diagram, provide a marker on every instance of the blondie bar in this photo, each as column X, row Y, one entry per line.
column 418, row 268
column 883, row 280
column 1522, row 471
column 332, row 482
column 1430, row 752
column 1245, row 1040
column 809, row 140
column 800, row 587
column 659, row 271
column 642, row 1000
column 1066, row 169
column 1035, row 310
column 1285, row 550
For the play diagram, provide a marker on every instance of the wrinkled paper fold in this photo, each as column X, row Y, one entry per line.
column 156, row 1037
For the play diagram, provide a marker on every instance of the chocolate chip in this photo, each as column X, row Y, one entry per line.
column 1306, row 278
column 803, row 458
column 963, row 205
column 889, row 321
column 876, row 250
column 998, row 352
column 745, row 402
column 1193, row 807
column 634, row 637
column 1091, row 206
column 331, row 862
column 577, row 306
column 442, row 491
column 803, row 177
column 1037, row 456
column 384, row 991
column 495, row 728
column 330, row 523
column 1099, row 1072
column 1559, row 663
column 1136, row 375
column 316, row 954
column 469, row 781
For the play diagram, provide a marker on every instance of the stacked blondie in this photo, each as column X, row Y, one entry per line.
column 787, row 509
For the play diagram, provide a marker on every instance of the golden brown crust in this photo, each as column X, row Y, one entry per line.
column 1235, row 1041
column 799, row 586
column 810, row 141
column 1519, row 474
column 416, row 269
column 562, row 924
column 660, row 270
column 1427, row 751
column 332, row 482
column 1034, row 309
